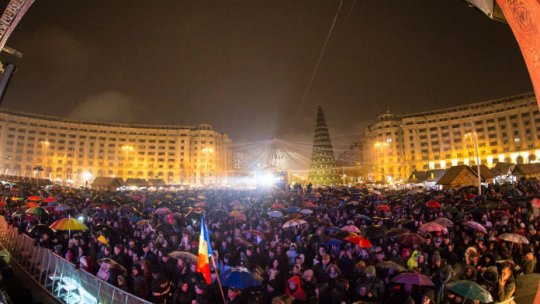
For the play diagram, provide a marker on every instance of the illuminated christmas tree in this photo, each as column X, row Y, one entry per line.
column 322, row 169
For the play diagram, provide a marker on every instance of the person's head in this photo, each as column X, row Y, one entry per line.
column 184, row 287
column 506, row 270
column 146, row 247
column 117, row 249
column 233, row 293
column 121, row 280
column 135, row 270
column 200, row 288
column 193, row 267
column 308, row 275
column 326, row 259
column 362, row 290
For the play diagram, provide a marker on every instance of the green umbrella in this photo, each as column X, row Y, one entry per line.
column 470, row 290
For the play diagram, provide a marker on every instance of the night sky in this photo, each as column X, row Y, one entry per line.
column 243, row 66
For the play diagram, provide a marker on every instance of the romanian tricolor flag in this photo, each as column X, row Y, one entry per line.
column 205, row 252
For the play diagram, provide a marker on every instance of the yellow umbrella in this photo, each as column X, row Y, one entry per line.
column 103, row 240
column 68, row 224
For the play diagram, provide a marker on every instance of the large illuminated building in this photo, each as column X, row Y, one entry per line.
column 502, row 130
column 75, row 151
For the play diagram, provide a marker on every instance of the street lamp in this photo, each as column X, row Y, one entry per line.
column 474, row 137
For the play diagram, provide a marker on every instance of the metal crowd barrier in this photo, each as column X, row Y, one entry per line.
column 58, row 276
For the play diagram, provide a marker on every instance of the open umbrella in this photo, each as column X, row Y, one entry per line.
column 373, row 232
column 363, row 217
column 50, row 200
column 240, row 278
column 275, row 214
column 38, row 211
column 62, row 208
column 294, row 223
column 432, row 227
column 394, row 232
column 514, row 238
column 162, row 211
column 350, row 228
column 242, row 242
column 384, row 208
column 470, row 290
column 255, row 232
column 433, row 204
column 127, row 208
column 68, row 224
column 306, row 211
column 412, row 278
column 411, row 239
column 40, row 229
column 34, row 198
column 143, row 223
column 475, row 226
column 114, row 264
column 444, row 222
column 187, row 256
column 359, row 241
column 391, row 265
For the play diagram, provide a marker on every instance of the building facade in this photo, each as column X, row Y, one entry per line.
column 75, row 151
column 502, row 130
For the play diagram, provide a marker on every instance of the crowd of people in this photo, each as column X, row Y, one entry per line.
column 304, row 245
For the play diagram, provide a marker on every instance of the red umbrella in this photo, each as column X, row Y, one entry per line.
column 50, row 199
column 384, row 208
column 475, row 226
column 360, row 241
column 432, row 227
column 433, row 204
column 34, row 198
column 411, row 239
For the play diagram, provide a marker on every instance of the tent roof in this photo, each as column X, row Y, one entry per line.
column 527, row 169
column 503, row 168
column 452, row 173
column 136, row 182
column 104, row 181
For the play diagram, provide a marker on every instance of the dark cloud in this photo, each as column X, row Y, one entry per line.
column 106, row 107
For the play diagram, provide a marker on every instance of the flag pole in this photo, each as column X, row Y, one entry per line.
column 218, row 280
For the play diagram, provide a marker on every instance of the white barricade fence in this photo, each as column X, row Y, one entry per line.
column 60, row 277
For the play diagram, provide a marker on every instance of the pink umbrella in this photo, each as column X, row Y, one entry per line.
column 162, row 211
column 350, row 228
column 475, row 226
column 412, row 278
column 432, row 227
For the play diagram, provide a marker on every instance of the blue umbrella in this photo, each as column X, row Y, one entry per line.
column 332, row 242
column 292, row 209
column 275, row 214
column 240, row 278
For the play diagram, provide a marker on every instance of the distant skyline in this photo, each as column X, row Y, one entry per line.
column 243, row 66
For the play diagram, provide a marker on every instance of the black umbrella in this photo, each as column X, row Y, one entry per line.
column 373, row 232
column 40, row 229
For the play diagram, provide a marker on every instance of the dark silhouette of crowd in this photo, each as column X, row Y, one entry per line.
column 306, row 244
